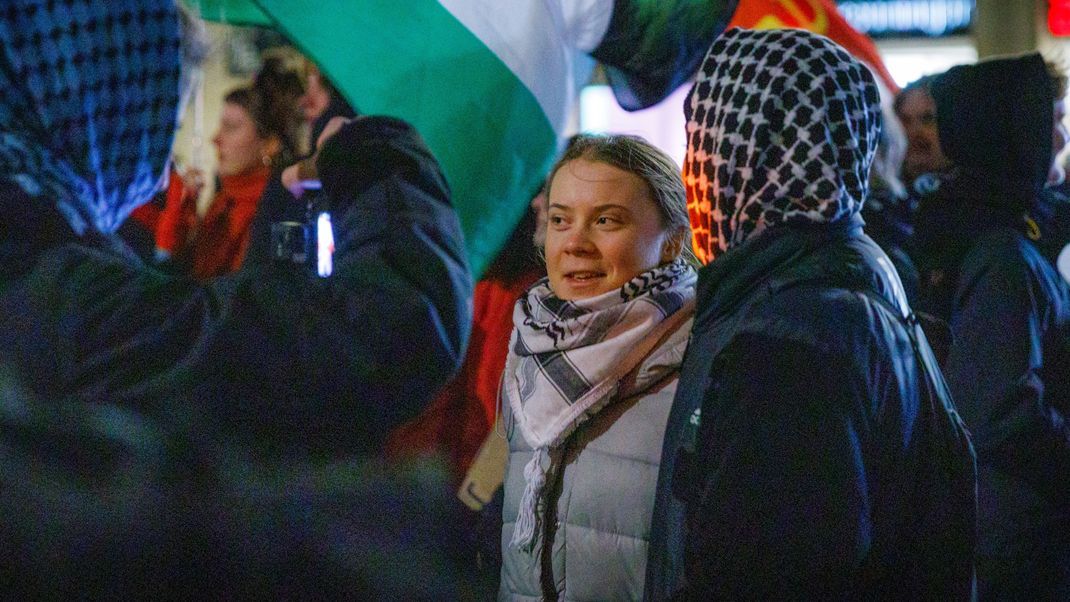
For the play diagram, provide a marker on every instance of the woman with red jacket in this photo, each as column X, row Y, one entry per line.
column 257, row 131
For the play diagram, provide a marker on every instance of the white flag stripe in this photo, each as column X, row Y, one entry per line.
column 543, row 42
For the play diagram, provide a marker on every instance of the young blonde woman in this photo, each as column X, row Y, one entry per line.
column 591, row 373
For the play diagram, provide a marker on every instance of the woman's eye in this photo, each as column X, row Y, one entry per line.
column 607, row 220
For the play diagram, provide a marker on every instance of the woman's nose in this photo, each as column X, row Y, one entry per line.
column 579, row 241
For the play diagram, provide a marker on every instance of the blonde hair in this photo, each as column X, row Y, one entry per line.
column 635, row 155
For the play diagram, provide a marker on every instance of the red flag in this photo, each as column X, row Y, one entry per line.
column 818, row 16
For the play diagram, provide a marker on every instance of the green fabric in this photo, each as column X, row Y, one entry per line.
column 235, row 12
column 415, row 61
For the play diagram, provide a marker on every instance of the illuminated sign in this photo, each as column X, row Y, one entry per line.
column 1059, row 17
column 886, row 18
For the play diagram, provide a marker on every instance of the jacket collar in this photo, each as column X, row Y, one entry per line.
column 784, row 257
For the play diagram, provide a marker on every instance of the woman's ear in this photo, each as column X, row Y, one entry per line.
column 673, row 245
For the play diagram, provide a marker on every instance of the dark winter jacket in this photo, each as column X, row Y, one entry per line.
column 984, row 240
column 101, row 502
column 164, row 438
column 274, row 355
column 1008, row 367
column 812, row 452
column 890, row 223
column 220, row 440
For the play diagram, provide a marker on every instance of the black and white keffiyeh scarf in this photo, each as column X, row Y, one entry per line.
column 89, row 95
column 782, row 126
column 568, row 360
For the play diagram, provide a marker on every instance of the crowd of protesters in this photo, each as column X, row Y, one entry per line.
column 863, row 394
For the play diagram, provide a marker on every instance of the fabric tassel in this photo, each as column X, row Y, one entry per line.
column 527, row 518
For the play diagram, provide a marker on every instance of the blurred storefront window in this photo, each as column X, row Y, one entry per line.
column 909, row 18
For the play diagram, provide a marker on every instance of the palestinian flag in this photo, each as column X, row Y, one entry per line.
column 818, row 16
column 490, row 84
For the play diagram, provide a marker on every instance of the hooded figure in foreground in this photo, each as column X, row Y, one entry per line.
column 273, row 354
column 983, row 242
column 812, row 450
column 142, row 412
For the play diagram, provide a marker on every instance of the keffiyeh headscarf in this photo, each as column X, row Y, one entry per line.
column 89, row 92
column 569, row 359
column 782, row 126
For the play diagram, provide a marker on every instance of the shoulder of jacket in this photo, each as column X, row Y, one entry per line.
column 1003, row 251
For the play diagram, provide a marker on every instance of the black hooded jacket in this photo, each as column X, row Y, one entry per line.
column 983, row 269
column 995, row 124
column 203, row 440
column 811, row 452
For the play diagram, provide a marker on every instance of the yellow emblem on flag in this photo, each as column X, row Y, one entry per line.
column 797, row 17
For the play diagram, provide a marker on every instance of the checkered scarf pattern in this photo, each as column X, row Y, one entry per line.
column 782, row 126
column 569, row 359
column 89, row 93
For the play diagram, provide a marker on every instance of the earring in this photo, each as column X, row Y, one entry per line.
column 266, row 160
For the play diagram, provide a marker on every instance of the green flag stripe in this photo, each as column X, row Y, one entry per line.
column 235, row 12
column 414, row 60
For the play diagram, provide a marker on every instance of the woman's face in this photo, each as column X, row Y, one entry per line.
column 603, row 230
column 239, row 148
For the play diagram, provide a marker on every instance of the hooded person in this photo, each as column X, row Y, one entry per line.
column 86, row 130
column 264, row 369
column 811, row 451
column 923, row 161
column 1009, row 311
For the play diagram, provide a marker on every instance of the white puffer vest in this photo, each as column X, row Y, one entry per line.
column 596, row 519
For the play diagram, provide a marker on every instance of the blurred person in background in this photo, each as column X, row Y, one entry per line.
column 916, row 110
column 257, row 137
column 139, row 230
column 984, row 270
column 888, row 209
column 319, row 103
